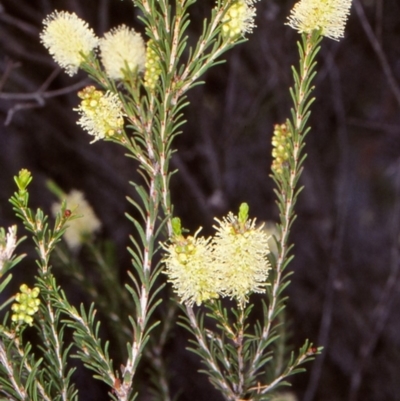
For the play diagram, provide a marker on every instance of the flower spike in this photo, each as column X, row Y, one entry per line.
column 327, row 16
column 68, row 39
column 190, row 268
column 122, row 48
column 240, row 251
column 101, row 113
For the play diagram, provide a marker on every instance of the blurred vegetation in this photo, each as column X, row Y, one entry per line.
column 345, row 293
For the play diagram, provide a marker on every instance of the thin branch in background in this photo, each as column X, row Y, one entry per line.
column 228, row 111
column 207, row 151
column 379, row 20
column 373, row 125
column 18, row 23
column 387, row 70
column 192, row 185
column 10, row 65
column 39, row 95
column 21, row 106
column 342, row 200
column 381, row 312
column 49, row 79
column 103, row 15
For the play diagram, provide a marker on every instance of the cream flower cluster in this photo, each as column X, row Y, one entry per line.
column 69, row 40
column 189, row 266
column 328, row 16
column 86, row 223
column 26, row 305
column 101, row 113
column 239, row 19
column 234, row 263
column 240, row 251
column 122, row 48
column 8, row 242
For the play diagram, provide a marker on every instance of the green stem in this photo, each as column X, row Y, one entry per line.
column 240, row 356
column 302, row 89
column 218, row 376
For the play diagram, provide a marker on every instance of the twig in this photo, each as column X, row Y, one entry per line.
column 9, row 67
column 393, row 85
column 382, row 309
column 342, row 198
column 39, row 95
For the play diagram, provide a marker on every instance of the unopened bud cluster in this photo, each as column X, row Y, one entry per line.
column 234, row 263
column 152, row 66
column 26, row 305
column 281, row 147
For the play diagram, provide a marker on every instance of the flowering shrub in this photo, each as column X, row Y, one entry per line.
column 137, row 101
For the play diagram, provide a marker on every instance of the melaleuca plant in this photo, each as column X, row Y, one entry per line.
column 136, row 101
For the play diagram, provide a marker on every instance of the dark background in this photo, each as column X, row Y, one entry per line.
column 345, row 288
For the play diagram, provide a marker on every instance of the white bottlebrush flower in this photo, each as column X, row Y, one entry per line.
column 239, row 19
column 8, row 242
column 240, row 251
column 328, row 16
column 190, row 269
column 122, row 48
column 83, row 227
column 67, row 37
column 101, row 114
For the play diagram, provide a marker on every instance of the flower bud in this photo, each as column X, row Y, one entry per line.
column 26, row 305
column 281, row 147
column 152, row 66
